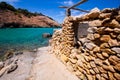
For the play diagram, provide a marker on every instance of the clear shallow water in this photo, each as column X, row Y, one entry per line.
column 23, row 38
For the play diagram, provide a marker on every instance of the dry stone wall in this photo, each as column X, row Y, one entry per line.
column 98, row 57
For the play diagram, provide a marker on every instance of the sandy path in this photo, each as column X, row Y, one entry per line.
column 39, row 66
column 48, row 67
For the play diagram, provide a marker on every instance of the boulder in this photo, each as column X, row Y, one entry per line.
column 46, row 35
column 12, row 68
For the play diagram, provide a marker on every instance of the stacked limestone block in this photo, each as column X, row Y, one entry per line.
column 98, row 57
column 63, row 41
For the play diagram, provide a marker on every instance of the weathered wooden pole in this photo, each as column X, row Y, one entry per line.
column 68, row 12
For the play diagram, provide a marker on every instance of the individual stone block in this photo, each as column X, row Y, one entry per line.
column 92, row 29
column 113, row 43
column 117, row 67
column 73, row 61
column 64, row 58
column 104, row 45
column 104, row 15
column 111, row 77
column 104, row 54
column 90, row 37
column 98, row 62
column 96, row 70
column 100, row 30
column 113, row 24
column 96, row 36
column 96, row 49
column 113, row 35
column 84, row 40
column 104, row 75
column 98, row 76
column 94, row 13
column 105, row 38
column 89, row 77
column 106, row 62
column 99, row 55
column 92, row 71
column 114, row 60
column 101, row 70
column 118, row 18
column 118, row 37
column 117, row 76
column 116, row 49
column 108, row 29
column 90, row 46
column 116, row 30
column 96, row 23
column 109, row 51
column 108, row 68
column 106, row 10
column 80, row 63
column 92, row 63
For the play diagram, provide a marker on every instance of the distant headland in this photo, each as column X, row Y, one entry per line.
column 10, row 17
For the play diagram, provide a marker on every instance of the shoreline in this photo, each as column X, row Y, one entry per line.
column 39, row 65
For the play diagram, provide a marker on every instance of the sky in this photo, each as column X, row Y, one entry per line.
column 51, row 7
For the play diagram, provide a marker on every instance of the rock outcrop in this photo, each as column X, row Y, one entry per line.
column 98, row 54
column 10, row 19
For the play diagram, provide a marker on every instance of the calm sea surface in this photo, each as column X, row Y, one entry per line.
column 23, row 38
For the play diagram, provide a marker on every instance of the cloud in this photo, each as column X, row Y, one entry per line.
column 67, row 3
column 70, row 2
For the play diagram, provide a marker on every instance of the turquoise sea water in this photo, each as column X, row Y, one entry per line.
column 23, row 38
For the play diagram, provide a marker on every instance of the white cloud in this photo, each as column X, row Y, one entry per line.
column 67, row 3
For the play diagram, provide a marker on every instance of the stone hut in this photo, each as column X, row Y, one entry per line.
column 97, row 55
